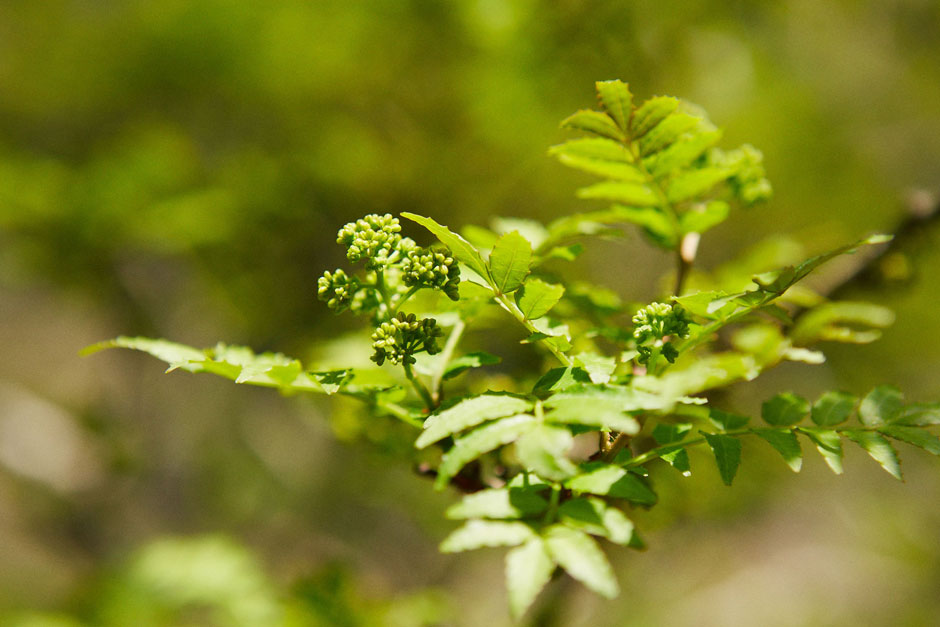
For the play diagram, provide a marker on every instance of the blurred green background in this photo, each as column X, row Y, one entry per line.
column 179, row 169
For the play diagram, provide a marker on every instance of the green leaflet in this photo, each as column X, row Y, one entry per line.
column 786, row 443
column 509, row 262
column 617, row 100
column 544, row 450
column 599, row 367
column 628, row 193
column 477, row 534
column 651, row 113
column 829, row 445
column 469, row 413
column 920, row 414
column 468, row 361
column 528, row 568
column 784, row 409
column 726, row 421
column 581, row 558
column 700, row 220
column 882, row 405
column 682, row 152
column 693, row 183
column 856, row 323
column 609, row 480
column 592, row 515
column 920, row 438
column 833, row 408
column 536, row 298
column 462, row 250
column 480, row 441
column 499, row 503
column 666, row 132
column 727, row 451
column 878, row 448
column 594, row 122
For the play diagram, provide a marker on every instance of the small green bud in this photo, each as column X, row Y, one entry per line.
column 433, row 269
column 337, row 290
column 375, row 238
column 404, row 335
column 654, row 324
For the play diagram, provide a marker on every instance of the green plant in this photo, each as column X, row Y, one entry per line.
column 559, row 454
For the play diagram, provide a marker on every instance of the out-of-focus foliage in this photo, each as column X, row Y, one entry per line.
column 178, row 168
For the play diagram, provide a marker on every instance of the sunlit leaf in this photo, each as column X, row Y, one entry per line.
column 528, row 568
column 920, row 438
column 499, row 503
column 882, row 405
column 609, row 480
column 829, row 445
column 651, row 113
column 617, row 100
column 786, row 443
column 536, row 298
column 833, row 408
column 468, row 413
column 477, row 534
column 581, row 558
column 784, row 409
column 544, row 450
column 878, row 448
column 468, row 361
column 462, row 250
column 594, row 122
column 479, row 441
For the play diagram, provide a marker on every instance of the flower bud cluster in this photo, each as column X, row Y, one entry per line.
column 337, row 290
column 654, row 325
column 374, row 238
column 430, row 268
column 403, row 336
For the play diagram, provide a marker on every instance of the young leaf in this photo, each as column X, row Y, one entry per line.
column 833, row 408
column 920, row 438
column 544, row 450
column 469, row 413
column 651, row 113
column 614, row 481
column 468, row 361
column 592, row 515
column 528, row 568
column 599, row 367
column 727, row 452
column 784, row 410
column 666, row 132
column 594, row 122
column 883, row 404
column 617, row 100
column 786, row 443
column 480, row 441
column 509, row 262
column 581, row 558
column 499, row 503
column 879, row 449
column 536, row 298
column 683, row 151
column 462, row 250
column 829, row 445
column 477, row 534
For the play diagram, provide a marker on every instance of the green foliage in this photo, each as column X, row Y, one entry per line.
column 515, row 445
